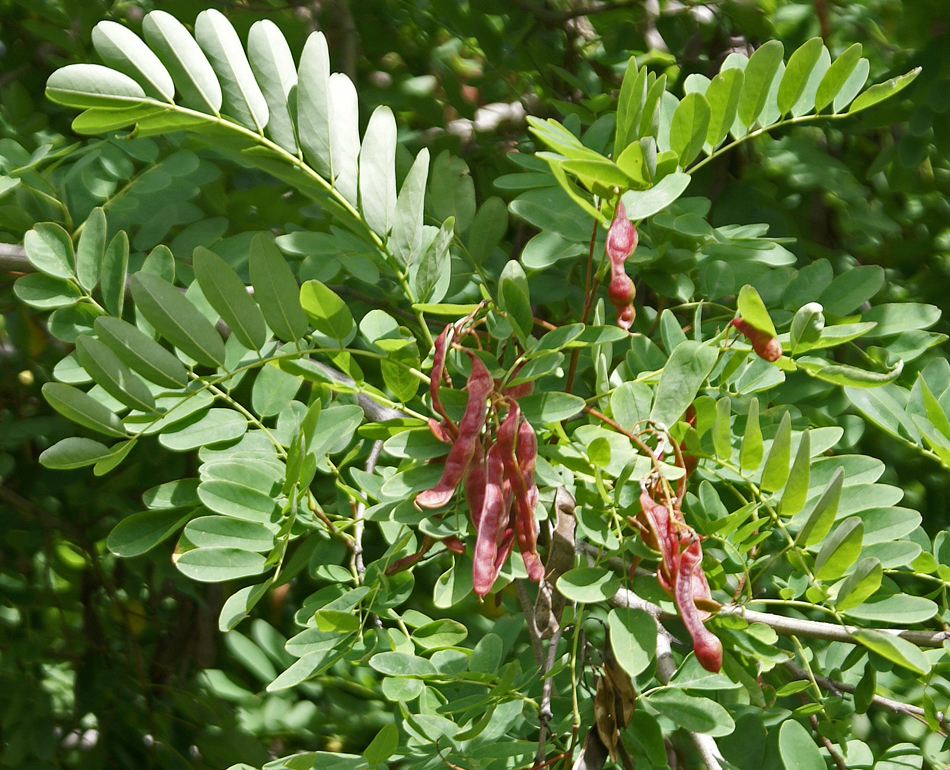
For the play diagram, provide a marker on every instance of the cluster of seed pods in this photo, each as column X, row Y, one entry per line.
column 680, row 572
column 622, row 240
column 495, row 466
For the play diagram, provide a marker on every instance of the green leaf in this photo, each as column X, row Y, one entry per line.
column 776, row 469
column 91, row 248
column 796, row 488
column 240, row 94
column 851, row 376
column 935, row 411
column 899, row 317
column 141, row 532
column 402, row 664
column 759, row 74
column 846, row 293
column 82, row 409
column 50, row 250
column 688, row 127
column 513, row 297
column 117, row 453
column 750, row 454
column 633, row 91
column 238, row 500
column 895, row 649
column 383, row 746
column 194, row 77
column 344, row 136
column 405, row 241
column 123, row 50
column 109, row 371
column 273, row 390
column 862, row 583
column 273, row 66
column 680, row 381
column 852, row 86
column 822, row 516
column 213, row 427
column 488, row 228
column 896, row 609
column 216, row 565
column 276, row 290
column 840, row 550
column 641, row 204
column 227, row 532
column 329, row 314
column 588, row 584
column 633, row 638
column 429, row 275
column 799, row 68
column 722, row 429
column 313, row 111
column 227, row 294
column 880, row 92
column 797, row 749
column 698, row 715
column 161, row 262
column 753, row 310
column 73, row 452
column 807, row 325
column 541, row 408
column 604, row 173
column 440, row 634
column 177, row 319
column 723, row 97
column 836, row 76
column 115, row 265
column 92, row 85
column 141, row 353
column 378, row 171
column 45, row 292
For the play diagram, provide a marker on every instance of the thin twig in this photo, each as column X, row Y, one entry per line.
column 546, row 714
column 837, row 688
column 527, row 607
column 360, row 510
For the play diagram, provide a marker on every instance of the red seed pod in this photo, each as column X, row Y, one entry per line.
column 440, row 430
column 494, row 515
column 620, row 290
column 479, row 385
column 453, row 544
column 475, row 482
column 622, row 237
column 706, row 644
column 764, row 344
column 438, row 373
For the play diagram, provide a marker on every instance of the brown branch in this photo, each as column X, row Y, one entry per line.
column 897, row 707
column 811, row 629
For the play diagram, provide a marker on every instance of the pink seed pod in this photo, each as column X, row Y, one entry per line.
column 764, row 344
column 706, row 645
column 621, row 242
column 621, row 237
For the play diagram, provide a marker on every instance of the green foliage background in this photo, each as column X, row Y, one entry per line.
column 119, row 662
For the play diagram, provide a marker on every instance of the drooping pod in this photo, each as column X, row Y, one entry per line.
column 492, row 518
column 706, row 644
column 479, row 385
column 622, row 241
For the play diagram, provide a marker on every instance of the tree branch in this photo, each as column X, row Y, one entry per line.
column 836, row 688
column 811, row 629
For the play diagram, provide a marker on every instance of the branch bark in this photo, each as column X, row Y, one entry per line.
column 786, row 626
